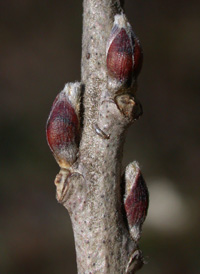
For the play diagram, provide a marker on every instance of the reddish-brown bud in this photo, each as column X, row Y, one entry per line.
column 62, row 129
column 136, row 199
column 119, row 58
column 124, row 52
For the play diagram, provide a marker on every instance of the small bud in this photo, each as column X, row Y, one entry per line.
column 61, row 182
column 124, row 52
column 63, row 127
column 129, row 106
column 136, row 200
column 136, row 261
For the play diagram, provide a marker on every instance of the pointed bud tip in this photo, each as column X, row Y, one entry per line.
column 73, row 92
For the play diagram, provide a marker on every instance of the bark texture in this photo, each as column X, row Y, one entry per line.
column 92, row 191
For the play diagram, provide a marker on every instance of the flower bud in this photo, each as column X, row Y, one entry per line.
column 136, row 200
column 63, row 127
column 124, row 52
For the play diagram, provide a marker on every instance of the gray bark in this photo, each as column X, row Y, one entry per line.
column 92, row 193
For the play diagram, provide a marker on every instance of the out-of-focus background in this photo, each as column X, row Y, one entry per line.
column 40, row 51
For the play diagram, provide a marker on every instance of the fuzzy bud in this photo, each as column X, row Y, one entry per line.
column 124, row 52
column 63, row 127
column 136, row 200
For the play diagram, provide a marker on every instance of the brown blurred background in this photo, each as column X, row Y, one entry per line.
column 40, row 51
